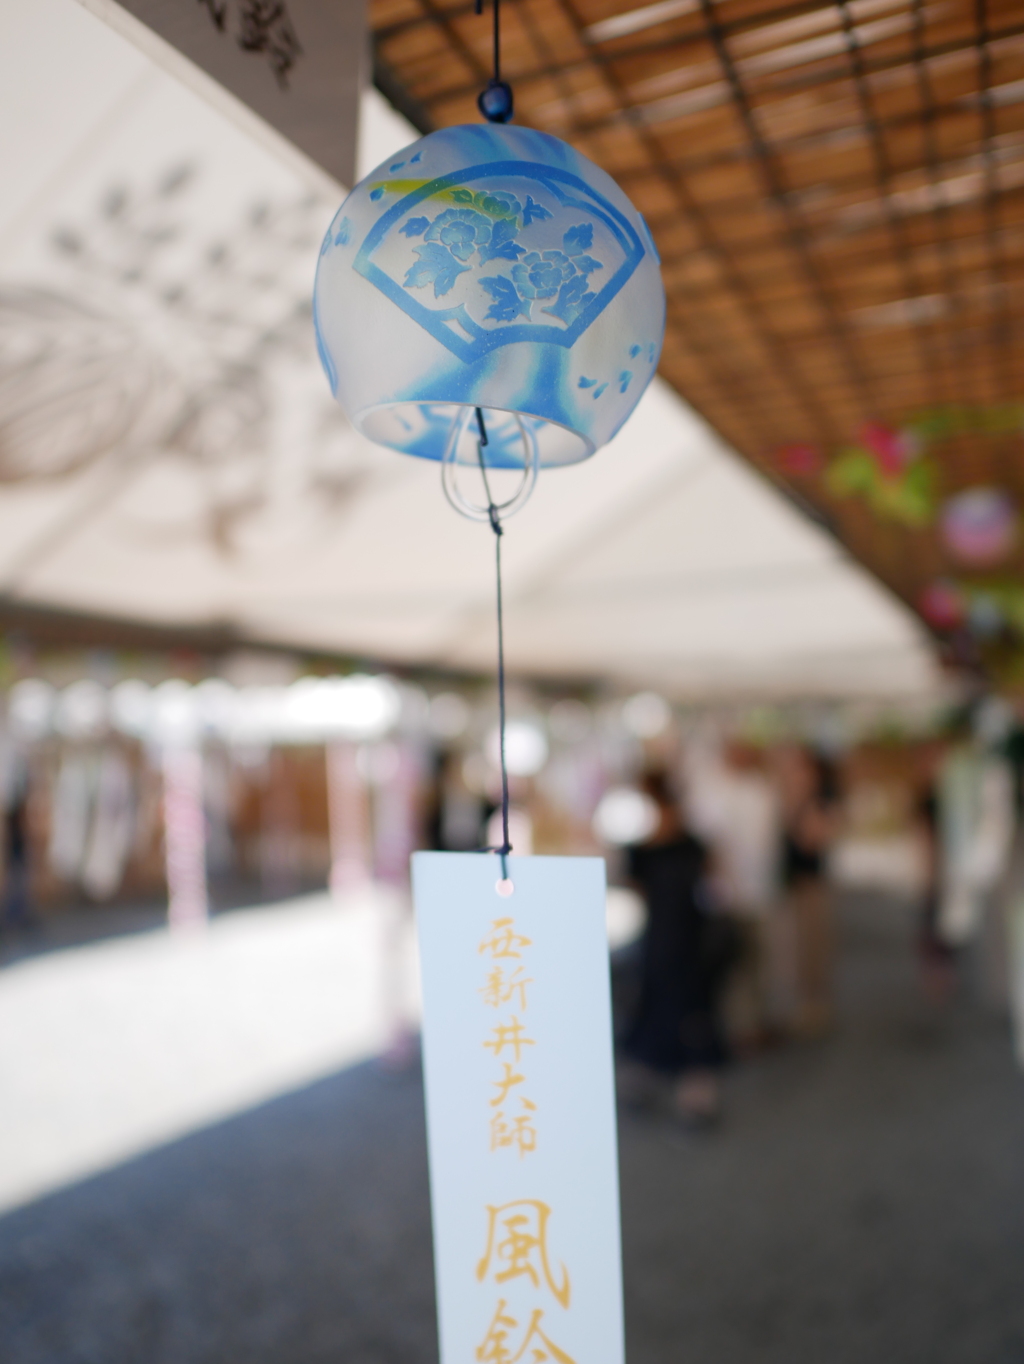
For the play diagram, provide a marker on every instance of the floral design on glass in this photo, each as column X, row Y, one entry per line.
column 462, row 230
column 484, row 228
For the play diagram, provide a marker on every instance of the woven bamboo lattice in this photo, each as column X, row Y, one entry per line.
column 837, row 193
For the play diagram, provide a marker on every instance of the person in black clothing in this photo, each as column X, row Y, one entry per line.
column 15, row 903
column 810, row 795
column 675, row 1032
column 937, row 958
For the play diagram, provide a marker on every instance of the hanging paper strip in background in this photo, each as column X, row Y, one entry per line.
column 517, row 1049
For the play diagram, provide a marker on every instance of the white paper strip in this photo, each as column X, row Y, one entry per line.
column 520, row 1109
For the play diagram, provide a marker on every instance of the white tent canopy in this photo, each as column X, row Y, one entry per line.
column 169, row 450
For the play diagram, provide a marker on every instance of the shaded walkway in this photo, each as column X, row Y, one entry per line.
column 864, row 1202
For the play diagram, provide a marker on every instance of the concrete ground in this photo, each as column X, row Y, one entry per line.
column 114, row 1047
column 863, row 1203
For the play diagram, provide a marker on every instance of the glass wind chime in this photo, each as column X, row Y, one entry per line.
column 489, row 297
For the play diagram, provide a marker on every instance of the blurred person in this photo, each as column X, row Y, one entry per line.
column 976, row 823
column 736, row 809
column 810, row 811
column 112, row 827
column 16, row 907
column 70, row 812
column 936, row 956
column 397, row 772
column 397, row 779
column 1014, row 896
column 976, row 875
column 675, row 1033
column 520, row 830
column 219, row 802
column 456, row 819
column 349, row 820
column 554, row 832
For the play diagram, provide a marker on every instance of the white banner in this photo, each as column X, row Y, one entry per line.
column 296, row 63
column 517, row 1054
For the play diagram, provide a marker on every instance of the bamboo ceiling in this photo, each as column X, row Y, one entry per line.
column 837, row 193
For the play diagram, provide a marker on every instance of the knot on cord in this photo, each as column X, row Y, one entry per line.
column 492, row 510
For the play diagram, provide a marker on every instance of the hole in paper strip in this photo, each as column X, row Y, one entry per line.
column 504, row 888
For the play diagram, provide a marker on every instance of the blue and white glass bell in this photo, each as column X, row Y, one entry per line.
column 489, row 267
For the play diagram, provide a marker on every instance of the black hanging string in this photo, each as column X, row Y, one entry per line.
column 496, row 526
column 495, row 103
column 497, row 35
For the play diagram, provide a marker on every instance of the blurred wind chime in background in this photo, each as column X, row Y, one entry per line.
column 490, row 299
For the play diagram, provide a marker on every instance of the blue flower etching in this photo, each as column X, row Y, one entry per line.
column 578, row 239
column 573, row 297
column 462, row 230
column 533, row 210
column 498, row 203
column 484, row 228
column 503, row 244
column 539, row 276
column 505, row 252
column 437, row 266
column 507, row 304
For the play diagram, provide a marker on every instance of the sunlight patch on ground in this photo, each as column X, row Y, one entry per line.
column 110, row 1049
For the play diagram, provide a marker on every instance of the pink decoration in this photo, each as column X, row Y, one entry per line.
column 979, row 526
column 942, row 604
column 800, row 460
column 893, row 450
